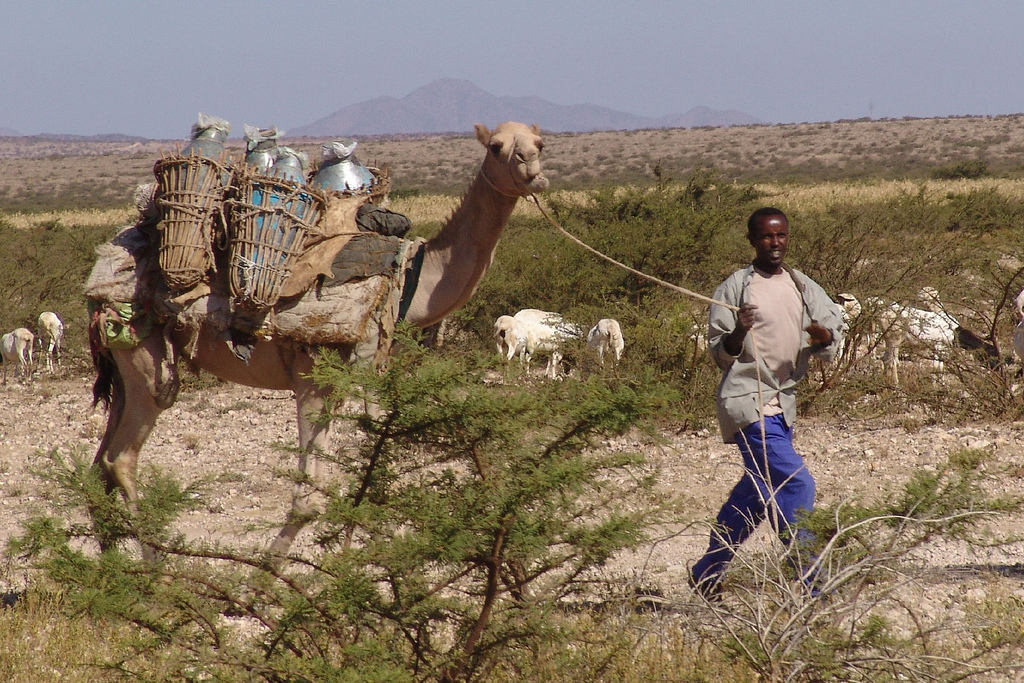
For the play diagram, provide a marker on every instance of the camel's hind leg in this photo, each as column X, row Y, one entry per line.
column 313, row 438
column 138, row 397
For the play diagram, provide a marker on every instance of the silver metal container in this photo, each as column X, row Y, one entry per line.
column 208, row 136
column 289, row 165
column 261, row 159
column 261, row 147
column 208, row 144
column 341, row 171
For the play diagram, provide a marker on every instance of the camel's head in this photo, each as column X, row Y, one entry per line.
column 512, row 165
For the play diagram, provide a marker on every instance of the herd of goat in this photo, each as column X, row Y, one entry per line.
column 888, row 327
column 883, row 328
column 532, row 331
column 16, row 346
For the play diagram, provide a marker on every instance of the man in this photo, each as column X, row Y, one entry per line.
column 791, row 318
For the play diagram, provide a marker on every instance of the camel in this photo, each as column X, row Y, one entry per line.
column 138, row 383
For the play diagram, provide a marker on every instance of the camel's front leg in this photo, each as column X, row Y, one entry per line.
column 313, row 439
column 138, row 397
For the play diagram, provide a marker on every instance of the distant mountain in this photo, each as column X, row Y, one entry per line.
column 9, row 133
column 703, row 116
column 450, row 105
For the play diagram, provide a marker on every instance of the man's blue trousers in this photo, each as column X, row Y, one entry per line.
column 777, row 486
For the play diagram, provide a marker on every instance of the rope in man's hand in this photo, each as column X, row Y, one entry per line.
column 668, row 285
column 595, row 252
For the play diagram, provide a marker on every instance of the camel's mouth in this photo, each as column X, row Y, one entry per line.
column 538, row 184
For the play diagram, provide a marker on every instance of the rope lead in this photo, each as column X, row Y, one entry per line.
column 677, row 288
column 595, row 252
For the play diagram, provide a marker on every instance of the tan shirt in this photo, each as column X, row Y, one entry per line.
column 776, row 325
column 743, row 378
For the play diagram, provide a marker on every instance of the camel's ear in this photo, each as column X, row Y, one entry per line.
column 535, row 128
column 482, row 134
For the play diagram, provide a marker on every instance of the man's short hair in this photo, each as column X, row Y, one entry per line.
column 763, row 212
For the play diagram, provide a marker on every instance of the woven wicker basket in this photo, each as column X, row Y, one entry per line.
column 270, row 221
column 189, row 195
column 382, row 188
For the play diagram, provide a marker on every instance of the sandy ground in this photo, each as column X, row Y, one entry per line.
column 236, row 438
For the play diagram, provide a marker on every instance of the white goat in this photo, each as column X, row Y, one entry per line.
column 930, row 327
column 508, row 336
column 850, row 310
column 16, row 347
column 606, row 336
column 51, row 335
column 1018, row 331
column 531, row 331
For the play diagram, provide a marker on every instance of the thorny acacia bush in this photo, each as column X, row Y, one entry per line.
column 968, row 247
column 879, row 617
column 873, row 620
column 417, row 556
column 467, row 512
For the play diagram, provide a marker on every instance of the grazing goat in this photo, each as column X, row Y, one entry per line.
column 508, row 336
column 931, row 327
column 531, row 331
column 850, row 311
column 1018, row 331
column 16, row 347
column 893, row 324
column 51, row 335
column 606, row 336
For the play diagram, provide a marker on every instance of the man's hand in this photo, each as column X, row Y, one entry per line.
column 820, row 336
column 745, row 317
column 744, row 321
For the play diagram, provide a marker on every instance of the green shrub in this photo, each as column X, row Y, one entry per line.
column 694, row 235
column 468, row 511
column 964, row 169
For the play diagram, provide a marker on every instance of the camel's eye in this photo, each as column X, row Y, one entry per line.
column 540, row 147
column 496, row 149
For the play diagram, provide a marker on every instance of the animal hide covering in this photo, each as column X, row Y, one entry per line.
column 352, row 296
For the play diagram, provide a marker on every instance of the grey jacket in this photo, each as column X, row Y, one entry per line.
column 737, row 395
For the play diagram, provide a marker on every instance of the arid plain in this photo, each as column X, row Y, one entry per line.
column 237, row 439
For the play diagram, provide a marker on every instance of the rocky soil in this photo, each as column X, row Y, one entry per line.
column 236, row 439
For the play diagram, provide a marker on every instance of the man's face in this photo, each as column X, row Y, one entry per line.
column 770, row 242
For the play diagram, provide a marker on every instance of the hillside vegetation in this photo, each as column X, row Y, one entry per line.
column 40, row 174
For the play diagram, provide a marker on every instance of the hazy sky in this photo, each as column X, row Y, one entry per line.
column 146, row 68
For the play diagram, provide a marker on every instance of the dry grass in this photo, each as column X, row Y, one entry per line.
column 427, row 209
column 41, row 644
column 819, row 196
column 430, row 209
column 91, row 218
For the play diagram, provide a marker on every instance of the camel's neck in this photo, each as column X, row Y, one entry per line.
column 458, row 257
